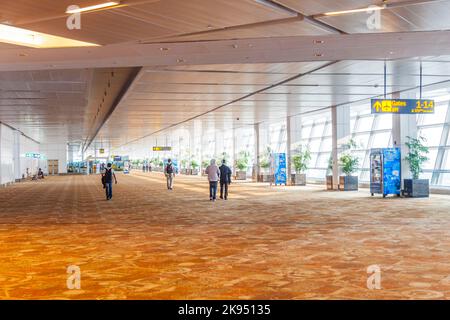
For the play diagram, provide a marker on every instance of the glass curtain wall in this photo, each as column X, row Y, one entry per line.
column 435, row 129
column 368, row 131
column 315, row 134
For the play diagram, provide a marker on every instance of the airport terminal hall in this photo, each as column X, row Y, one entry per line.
column 225, row 150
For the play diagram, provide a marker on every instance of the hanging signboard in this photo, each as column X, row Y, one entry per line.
column 33, row 155
column 117, row 158
column 102, row 151
column 162, row 148
column 402, row 106
column 280, row 168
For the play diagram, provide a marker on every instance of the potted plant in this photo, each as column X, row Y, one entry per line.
column 264, row 165
column 300, row 160
column 329, row 176
column 242, row 165
column 416, row 157
column 194, row 167
column 184, row 163
column 349, row 165
column 205, row 164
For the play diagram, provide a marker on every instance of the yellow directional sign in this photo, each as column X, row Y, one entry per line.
column 402, row 106
column 162, row 148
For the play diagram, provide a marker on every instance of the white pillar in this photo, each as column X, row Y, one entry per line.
column 403, row 126
column 340, row 120
column 16, row 155
column 288, row 149
column 257, row 151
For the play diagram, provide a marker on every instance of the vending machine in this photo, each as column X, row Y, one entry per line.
column 385, row 171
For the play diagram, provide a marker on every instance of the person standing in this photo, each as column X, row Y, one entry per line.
column 225, row 179
column 170, row 173
column 213, row 173
column 107, row 176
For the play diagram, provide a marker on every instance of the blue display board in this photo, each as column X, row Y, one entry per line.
column 402, row 106
column 280, row 168
column 385, row 171
column 391, row 171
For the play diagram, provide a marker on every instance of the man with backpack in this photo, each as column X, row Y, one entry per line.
column 107, row 176
column 170, row 173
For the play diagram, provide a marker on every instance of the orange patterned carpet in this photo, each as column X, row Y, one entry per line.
column 264, row 243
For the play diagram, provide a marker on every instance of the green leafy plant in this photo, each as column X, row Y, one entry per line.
column 301, row 160
column 417, row 155
column 184, row 163
column 264, row 163
column 347, row 161
column 330, row 165
column 205, row 163
column 194, row 164
column 243, row 160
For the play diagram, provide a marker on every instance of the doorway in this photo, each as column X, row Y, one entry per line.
column 53, row 167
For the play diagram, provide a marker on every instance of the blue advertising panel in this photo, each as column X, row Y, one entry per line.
column 391, row 171
column 385, row 171
column 402, row 106
column 117, row 158
column 280, row 168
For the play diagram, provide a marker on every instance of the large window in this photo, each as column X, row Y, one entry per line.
column 435, row 129
column 369, row 131
column 315, row 133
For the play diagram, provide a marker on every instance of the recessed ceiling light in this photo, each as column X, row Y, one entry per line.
column 164, row 49
column 95, row 7
column 367, row 9
column 28, row 38
column 318, row 54
column 319, row 41
column 235, row 46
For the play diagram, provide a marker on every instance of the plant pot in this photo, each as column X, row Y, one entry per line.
column 416, row 188
column 298, row 179
column 265, row 178
column 194, row 172
column 329, row 182
column 348, row 183
column 241, row 175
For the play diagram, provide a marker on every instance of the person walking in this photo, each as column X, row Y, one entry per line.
column 225, row 180
column 107, row 176
column 170, row 173
column 213, row 173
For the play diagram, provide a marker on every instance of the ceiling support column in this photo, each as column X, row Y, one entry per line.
column 340, row 121
column 403, row 126
column 289, row 149
column 257, row 151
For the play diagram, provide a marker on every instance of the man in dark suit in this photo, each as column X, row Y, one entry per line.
column 225, row 180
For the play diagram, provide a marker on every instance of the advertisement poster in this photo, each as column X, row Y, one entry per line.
column 280, row 168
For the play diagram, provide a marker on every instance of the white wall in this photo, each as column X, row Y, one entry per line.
column 6, row 155
column 55, row 151
column 27, row 146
